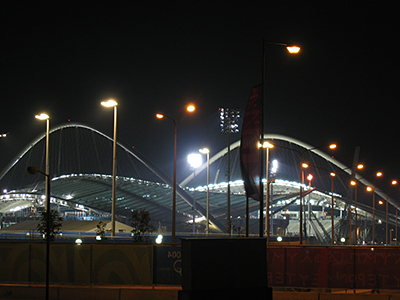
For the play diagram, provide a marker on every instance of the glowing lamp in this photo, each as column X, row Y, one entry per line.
column 293, row 49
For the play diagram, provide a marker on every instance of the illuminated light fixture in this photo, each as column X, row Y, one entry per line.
column 310, row 177
column 204, row 151
column 353, row 182
column 159, row 239
column 279, row 239
column 42, row 116
column 293, row 49
column 98, row 237
column 304, row 165
column 191, row 108
column 342, row 239
column 159, row 116
column 333, row 174
column 332, row 146
column 266, row 144
column 369, row 189
column 360, row 166
column 274, row 166
column 380, row 202
column 394, row 182
column 109, row 103
column 78, row 242
column 379, row 174
column 195, row 160
column 229, row 118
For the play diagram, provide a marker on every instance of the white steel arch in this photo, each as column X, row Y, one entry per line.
column 272, row 136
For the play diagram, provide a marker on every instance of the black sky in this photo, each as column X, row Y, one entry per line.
column 65, row 58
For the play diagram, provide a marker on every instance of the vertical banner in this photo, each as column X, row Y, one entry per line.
column 249, row 153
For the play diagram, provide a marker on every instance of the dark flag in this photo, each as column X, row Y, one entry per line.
column 249, row 152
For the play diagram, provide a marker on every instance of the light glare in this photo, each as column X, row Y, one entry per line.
column 191, row 108
column 293, row 49
column 195, row 160
column 42, row 116
column 109, row 103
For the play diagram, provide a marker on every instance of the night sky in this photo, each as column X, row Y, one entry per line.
column 342, row 87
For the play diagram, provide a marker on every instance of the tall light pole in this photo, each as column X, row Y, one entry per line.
column 303, row 166
column 114, row 104
column 190, row 108
column 292, row 49
column 34, row 170
column 207, row 152
column 267, row 146
column 229, row 124
column 194, row 161
column 333, row 175
column 46, row 117
column 371, row 189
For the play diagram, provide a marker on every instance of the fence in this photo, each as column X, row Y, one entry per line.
column 130, row 264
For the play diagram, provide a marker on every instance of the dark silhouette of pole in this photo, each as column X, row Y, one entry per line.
column 34, row 170
column 229, row 124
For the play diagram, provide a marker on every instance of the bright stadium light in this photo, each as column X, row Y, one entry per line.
column 195, row 160
column 274, row 166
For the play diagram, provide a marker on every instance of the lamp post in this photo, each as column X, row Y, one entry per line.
column 46, row 117
column 190, row 108
column 229, row 124
column 267, row 146
column 34, row 170
column 303, row 166
column 333, row 175
column 207, row 152
column 114, row 104
column 354, row 183
column 292, row 49
column 393, row 182
column 194, row 161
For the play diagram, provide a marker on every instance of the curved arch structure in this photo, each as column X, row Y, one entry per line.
column 137, row 156
column 301, row 144
column 157, row 196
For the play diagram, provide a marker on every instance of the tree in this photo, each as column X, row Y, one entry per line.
column 55, row 223
column 141, row 225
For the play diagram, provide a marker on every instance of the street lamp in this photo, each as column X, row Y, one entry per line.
column 303, row 166
column 194, row 161
column 113, row 103
column 207, row 152
column 333, row 175
column 266, row 145
column 190, row 108
column 34, row 170
column 45, row 117
column 293, row 50
column 381, row 202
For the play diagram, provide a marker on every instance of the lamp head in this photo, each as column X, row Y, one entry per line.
column 191, row 108
column 204, row 151
column 32, row 170
column 293, row 49
column 42, row 116
column 109, row 103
